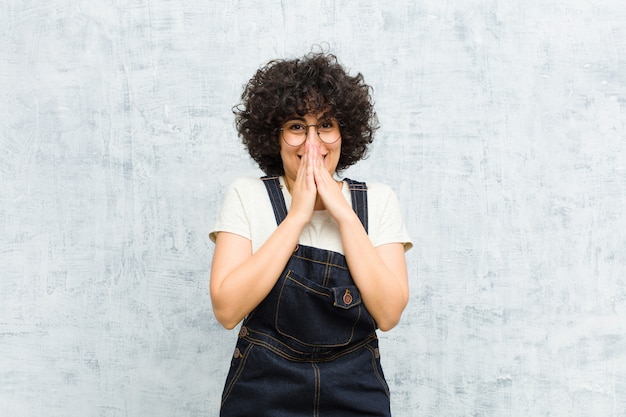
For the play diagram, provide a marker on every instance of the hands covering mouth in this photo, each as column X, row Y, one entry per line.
column 315, row 150
column 314, row 187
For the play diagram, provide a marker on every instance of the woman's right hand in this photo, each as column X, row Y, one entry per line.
column 304, row 190
column 235, row 267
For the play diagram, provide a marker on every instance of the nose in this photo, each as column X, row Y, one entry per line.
column 312, row 136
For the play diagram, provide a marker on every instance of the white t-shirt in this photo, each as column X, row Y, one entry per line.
column 247, row 211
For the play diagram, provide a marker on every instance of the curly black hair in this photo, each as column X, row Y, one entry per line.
column 315, row 83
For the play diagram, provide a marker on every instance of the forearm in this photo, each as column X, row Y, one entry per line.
column 382, row 282
column 236, row 292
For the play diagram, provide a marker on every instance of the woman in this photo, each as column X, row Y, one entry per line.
column 293, row 257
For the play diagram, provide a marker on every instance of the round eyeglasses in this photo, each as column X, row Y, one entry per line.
column 294, row 132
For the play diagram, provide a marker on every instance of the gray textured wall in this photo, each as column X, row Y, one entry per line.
column 502, row 132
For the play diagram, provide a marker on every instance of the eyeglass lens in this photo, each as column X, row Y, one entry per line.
column 295, row 133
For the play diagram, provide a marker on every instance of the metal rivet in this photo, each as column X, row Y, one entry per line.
column 347, row 297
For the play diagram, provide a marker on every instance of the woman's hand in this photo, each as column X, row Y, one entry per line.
column 379, row 273
column 235, row 267
column 328, row 190
column 304, row 190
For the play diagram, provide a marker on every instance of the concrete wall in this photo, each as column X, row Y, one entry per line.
column 502, row 133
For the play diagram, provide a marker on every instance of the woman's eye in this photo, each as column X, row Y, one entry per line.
column 296, row 127
column 326, row 125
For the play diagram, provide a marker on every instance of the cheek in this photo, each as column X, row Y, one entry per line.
column 290, row 161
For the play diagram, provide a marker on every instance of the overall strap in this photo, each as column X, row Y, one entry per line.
column 276, row 197
column 358, row 192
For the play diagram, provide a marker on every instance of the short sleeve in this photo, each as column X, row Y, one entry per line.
column 389, row 226
column 232, row 216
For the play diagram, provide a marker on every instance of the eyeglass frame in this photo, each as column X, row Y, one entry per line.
column 306, row 135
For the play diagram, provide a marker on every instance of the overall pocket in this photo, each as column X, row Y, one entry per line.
column 316, row 315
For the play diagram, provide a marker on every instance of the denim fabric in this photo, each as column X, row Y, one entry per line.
column 310, row 347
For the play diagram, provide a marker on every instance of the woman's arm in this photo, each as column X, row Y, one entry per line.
column 240, row 280
column 379, row 273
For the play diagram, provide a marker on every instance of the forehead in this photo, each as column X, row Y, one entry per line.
column 309, row 117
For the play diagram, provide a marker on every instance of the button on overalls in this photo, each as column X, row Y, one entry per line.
column 310, row 347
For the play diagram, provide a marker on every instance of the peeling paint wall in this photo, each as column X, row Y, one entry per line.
column 503, row 133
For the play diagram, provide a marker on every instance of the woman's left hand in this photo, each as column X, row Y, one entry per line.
column 379, row 273
column 328, row 189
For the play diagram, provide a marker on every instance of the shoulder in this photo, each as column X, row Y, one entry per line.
column 246, row 187
column 380, row 193
column 380, row 197
column 386, row 220
column 247, row 183
column 379, row 188
column 243, row 191
column 241, row 208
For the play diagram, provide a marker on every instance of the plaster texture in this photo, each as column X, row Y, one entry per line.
column 502, row 133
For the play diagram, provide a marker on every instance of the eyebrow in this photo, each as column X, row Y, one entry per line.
column 295, row 118
column 322, row 119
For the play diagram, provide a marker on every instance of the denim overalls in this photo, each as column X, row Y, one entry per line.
column 310, row 347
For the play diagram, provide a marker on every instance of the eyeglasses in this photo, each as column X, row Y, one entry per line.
column 294, row 132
